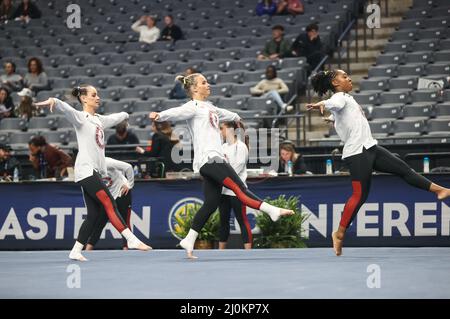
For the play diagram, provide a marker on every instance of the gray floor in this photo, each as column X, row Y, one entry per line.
column 284, row 273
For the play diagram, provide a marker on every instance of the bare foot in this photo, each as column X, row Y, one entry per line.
column 190, row 255
column 77, row 257
column 144, row 247
column 443, row 194
column 286, row 212
column 337, row 244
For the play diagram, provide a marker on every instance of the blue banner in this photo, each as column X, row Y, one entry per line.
column 49, row 215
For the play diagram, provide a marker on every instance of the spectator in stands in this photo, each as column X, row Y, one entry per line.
column 161, row 145
column 6, row 104
column 8, row 163
column 123, row 136
column 276, row 48
column 171, row 31
column 36, row 79
column 148, row 33
column 272, row 86
column 309, row 45
column 288, row 153
column 293, row 7
column 7, row 11
column 178, row 93
column 27, row 11
column 268, row 7
column 47, row 160
column 11, row 80
column 26, row 109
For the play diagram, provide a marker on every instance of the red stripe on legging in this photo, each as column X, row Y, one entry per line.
column 255, row 204
column 352, row 203
column 109, row 208
column 247, row 224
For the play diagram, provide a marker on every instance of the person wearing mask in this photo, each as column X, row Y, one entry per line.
column 6, row 104
column 123, row 136
column 11, row 80
column 47, row 160
column 27, row 11
column 309, row 45
column 171, row 31
column 272, row 86
column 8, row 164
column 278, row 47
column 288, row 156
column 161, row 145
column 36, row 79
column 149, row 32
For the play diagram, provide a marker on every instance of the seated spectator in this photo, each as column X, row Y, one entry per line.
column 7, row 11
column 11, row 80
column 272, row 87
column 123, row 136
column 26, row 109
column 292, row 7
column 309, row 45
column 287, row 153
column 276, row 48
column 171, row 32
column 36, row 79
column 47, row 160
column 8, row 163
column 161, row 145
column 27, row 11
column 178, row 93
column 148, row 33
column 264, row 7
column 6, row 104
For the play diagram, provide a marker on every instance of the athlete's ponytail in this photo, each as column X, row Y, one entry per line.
column 322, row 82
column 79, row 91
column 187, row 82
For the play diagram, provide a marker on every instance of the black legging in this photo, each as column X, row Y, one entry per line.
column 228, row 202
column 124, row 207
column 217, row 174
column 98, row 200
column 361, row 167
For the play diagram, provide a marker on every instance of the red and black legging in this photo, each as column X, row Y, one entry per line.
column 361, row 167
column 98, row 200
column 227, row 203
column 124, row 206
column 217, row 174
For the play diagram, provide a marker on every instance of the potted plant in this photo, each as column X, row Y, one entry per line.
column 208, row 234
column 285, row 232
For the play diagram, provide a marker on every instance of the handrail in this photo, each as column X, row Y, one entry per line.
column 275, row 120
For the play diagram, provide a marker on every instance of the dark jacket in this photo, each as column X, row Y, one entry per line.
column 131, row 138
column 302, row 46
column 282, row 48
column 177, row 92
column 7, row 167
column 32, row 11
column 298, row 168
column 50, row 162
column 162, row 147
column 174, row 32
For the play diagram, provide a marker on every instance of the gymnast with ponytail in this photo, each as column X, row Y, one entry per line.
column 90, row 165
column 361, row 152
column 202, row 119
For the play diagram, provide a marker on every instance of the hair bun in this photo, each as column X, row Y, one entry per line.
column 76, row 91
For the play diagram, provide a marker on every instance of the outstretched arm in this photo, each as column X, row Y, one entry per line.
column 180, row 113
column 75, row 117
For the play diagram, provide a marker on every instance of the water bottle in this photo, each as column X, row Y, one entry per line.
column 426, row 164
column 16, row 175
column 329, row 166
column 136, row 171
column 290, row 171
